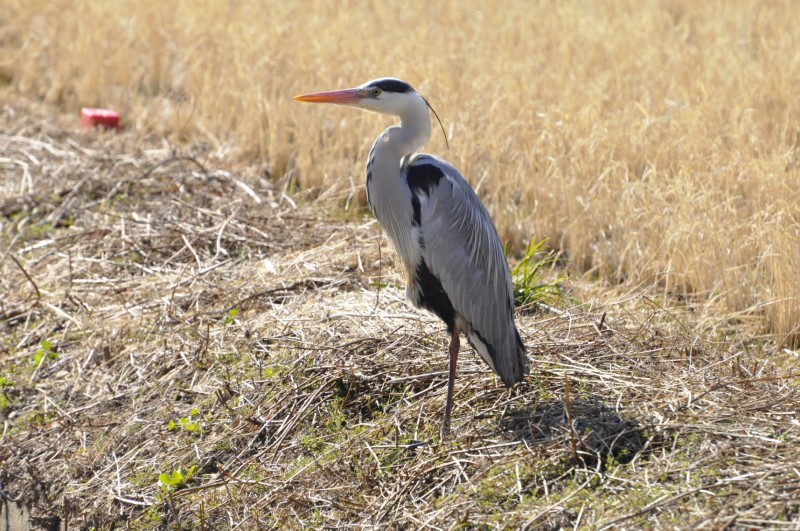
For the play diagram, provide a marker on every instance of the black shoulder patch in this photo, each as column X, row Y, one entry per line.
column 422, row 179
column 390, row 84
column 417, row 212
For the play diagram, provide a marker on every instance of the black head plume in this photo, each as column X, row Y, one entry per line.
column 446, row 143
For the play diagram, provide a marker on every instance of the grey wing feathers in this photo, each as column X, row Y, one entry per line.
column 463, row 250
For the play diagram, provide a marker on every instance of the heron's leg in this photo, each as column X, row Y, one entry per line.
column 451, row 379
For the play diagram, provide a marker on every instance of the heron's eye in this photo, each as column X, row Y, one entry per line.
column 376, row 92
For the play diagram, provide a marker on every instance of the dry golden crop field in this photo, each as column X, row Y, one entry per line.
column 202, row 327
column 651, row 142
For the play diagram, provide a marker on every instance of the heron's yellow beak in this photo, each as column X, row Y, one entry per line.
column 333, row 96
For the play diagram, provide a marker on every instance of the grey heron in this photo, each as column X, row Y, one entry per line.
column 453, row 259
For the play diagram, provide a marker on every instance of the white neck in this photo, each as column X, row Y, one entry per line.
column 415, row 124
column 387, row 191
column 414, row 130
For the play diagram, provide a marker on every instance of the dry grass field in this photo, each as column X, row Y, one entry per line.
column 184, row 346
column 201, row 328
column 652, row 142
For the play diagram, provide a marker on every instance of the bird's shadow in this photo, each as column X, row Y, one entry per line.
column 591, row 431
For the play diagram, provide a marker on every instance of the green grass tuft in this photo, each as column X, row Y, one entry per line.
column 530, row 286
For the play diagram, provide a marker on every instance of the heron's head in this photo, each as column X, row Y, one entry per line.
column 385, row 95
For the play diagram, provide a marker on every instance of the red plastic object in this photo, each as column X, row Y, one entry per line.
column 105, row 118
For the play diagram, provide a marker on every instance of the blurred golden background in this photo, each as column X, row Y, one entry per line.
column 651, row 142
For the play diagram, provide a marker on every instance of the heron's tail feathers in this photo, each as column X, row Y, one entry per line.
column 509, row 362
